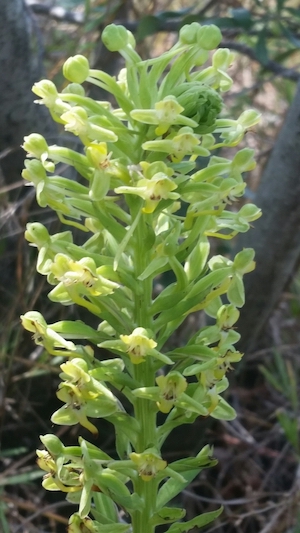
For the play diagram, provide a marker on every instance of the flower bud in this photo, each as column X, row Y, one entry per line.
column 243, row 261
column 76, row 121
column 47, row 91
column 76, row 69
column 36, row 233
column 36, row 146
column 201, row 103
column 250, row 212
column 249, row 118
column 115, row 37
column 244, row 160
column 222, row 58
column 188, row 33
column 74, row 88
column 209, row 37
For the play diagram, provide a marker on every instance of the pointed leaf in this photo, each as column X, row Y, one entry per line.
column 167, row 515
column 223, row 411
column 199, row 521
column 172, row 487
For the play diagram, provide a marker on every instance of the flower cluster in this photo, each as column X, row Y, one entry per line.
column 148, row 192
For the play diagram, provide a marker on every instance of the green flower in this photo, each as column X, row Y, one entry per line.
column 178, row 145
column 53, row 479
column 138, row 345
column 167, row 112
column 84, row 397
column 83, row 525
column 170, row 387
column 43, row 335
column 49, row 96
column 36, row 146
column 216, row 75
column 78, row 122
column 236, row 129
column 57, row 192
column 158, row 188
column 148, row 463
column 48, row 245
column 82, row 273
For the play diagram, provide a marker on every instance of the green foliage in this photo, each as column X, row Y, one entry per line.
column 283, row 377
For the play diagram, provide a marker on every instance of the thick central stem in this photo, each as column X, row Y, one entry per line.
column 144, row 373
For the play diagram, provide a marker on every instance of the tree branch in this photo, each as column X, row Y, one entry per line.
column 62, row 15
column 279, row 70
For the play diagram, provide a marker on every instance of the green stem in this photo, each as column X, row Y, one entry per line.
column 144, row 373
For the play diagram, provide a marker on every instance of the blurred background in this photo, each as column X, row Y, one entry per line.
column 258, row 476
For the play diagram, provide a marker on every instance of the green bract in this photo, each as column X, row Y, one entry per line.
column 201, row 103
column 145, row 205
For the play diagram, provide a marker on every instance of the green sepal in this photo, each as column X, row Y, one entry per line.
column 167, row 515
column 243, row 261
column 199, row 521
column 223, row 411
column 86, row 498
column 53, row 444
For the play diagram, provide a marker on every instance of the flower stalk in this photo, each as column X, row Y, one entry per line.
column 147, row 205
